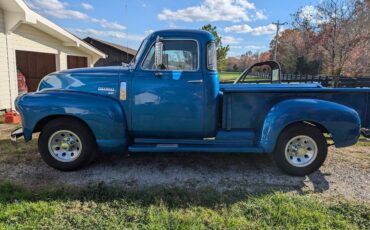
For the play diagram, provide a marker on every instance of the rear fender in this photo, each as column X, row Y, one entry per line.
column 104, row 115
column 342, row 122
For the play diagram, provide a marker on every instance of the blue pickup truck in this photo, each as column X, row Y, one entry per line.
column 169, row 99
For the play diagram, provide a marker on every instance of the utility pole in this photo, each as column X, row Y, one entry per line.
column 278, row 24
column 126, row 15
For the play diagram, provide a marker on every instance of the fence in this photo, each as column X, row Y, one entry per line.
column 326, row 81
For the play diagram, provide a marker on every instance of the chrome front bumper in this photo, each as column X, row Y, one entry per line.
column 16, row 134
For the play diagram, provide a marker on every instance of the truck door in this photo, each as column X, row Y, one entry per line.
column 168, row 101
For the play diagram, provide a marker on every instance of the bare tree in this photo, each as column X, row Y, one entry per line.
column 340, row 31
column 333, row 32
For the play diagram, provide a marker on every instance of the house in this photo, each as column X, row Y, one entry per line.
column 117, row 54
column 33, row 47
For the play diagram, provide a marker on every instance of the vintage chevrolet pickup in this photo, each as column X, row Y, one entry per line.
column 169, row 100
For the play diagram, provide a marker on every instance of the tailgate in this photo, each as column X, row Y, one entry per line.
column 367, row 115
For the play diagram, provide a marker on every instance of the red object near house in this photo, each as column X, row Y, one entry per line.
column 22, row 85
column 12, row 117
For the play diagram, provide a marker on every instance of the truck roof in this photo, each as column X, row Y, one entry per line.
column 187, row 33
column 200, row 35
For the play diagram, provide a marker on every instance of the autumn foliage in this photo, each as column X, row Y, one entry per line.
column 331, row 38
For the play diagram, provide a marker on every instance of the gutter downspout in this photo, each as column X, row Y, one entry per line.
column 9, row 75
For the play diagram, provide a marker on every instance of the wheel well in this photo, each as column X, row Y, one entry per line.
column 41, row 124
column 318, row 125
column 322, row 129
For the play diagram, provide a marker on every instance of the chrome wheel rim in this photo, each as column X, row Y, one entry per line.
column 301, row 151
column 65, row 146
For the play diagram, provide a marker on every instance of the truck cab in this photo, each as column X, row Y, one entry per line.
column 178, row 88
column 169, row 99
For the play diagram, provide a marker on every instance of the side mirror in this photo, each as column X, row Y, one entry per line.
column 158, row 53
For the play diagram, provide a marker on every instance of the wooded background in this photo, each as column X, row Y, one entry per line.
column 334, row 39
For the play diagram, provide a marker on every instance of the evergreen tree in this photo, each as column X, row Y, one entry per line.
column 221, row 50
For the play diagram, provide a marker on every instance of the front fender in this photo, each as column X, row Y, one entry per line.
column 104, row 115
column 341, row 121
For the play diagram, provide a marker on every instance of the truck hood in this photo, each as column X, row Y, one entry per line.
column 105, row 69
column 102, row 80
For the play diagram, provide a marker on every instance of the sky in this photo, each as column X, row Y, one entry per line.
column 243, row 24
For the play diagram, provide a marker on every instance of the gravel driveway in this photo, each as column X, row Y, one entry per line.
column 345, row 173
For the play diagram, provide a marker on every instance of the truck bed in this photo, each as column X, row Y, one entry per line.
column 245, row 105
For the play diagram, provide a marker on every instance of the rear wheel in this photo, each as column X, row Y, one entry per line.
column 67, row 144
column 301, row 149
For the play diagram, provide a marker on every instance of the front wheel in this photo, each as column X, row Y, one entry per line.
column 67, row 144
column 301, row 149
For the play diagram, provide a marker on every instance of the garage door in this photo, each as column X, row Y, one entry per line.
column 76, row 62
column 35, row 66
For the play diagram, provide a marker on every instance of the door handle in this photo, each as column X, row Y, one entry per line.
column 196, row 81
column 158, row 74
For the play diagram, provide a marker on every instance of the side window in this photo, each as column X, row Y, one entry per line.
column 177, row 55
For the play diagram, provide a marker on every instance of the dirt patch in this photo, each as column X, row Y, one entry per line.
column 345, row 173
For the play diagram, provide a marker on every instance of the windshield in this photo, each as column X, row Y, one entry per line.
column 139, row 52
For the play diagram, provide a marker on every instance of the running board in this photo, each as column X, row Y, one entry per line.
column 193, row 148
column 210, row 141
column 225, row 141
column 234, row 138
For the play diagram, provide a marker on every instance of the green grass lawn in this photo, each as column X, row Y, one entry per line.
column 228, row 76
column 363, row 141
column 231, row 76
column 103, row 207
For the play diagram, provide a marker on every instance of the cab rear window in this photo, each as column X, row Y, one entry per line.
column 211, row 56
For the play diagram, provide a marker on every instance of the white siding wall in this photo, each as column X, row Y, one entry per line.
column 27, row 38
column 4, row 75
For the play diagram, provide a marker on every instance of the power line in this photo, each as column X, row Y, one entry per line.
column 126, row 15
column 278, row 24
